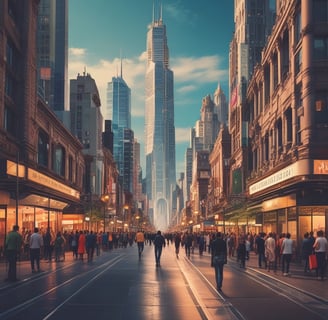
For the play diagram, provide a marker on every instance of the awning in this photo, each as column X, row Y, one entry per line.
column 74, row 208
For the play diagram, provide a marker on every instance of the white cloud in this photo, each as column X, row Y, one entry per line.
column 182, row 135
column 77, row 52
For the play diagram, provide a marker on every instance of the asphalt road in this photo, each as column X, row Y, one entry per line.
column 117, row 285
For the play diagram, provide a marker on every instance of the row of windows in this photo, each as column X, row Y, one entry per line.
column 58, row 159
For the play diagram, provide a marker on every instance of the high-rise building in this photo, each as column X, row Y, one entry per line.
column 52, row 55
column 159, row 125
column 119, row 110
column 253, row 25
column 220, row 105
column 86, row 125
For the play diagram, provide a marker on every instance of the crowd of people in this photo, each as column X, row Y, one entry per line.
column 273, row 251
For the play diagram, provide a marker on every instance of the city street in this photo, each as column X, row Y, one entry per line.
column 117, row 285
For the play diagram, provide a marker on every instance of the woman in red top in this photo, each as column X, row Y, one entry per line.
column 81, row 245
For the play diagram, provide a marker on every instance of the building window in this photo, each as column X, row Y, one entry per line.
column 298, row 27
column 320, row 11
column 43, row 149
column 298, row 62
column 266, row 84
column 321, row 107
column 58, row 160
column 320, row 48
column 289, row 128
column 275, row 70
column 10, row 121
column 70, row 169
column 279, row 135
column 285, row 55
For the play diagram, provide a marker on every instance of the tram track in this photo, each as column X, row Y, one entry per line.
column 89, row 275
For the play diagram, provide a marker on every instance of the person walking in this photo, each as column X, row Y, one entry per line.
column 81, row 245
column 270, row 251
column 59, row 244
column 307, row 249
column 177, row 243
column 36, row 243
column 140, row 239
column 260, row 249
column 219, row 252
column 188, row 243
column 286, row 251
column 14, row 242
column 159, row 242
column 90, row 243
column 321, row 251
column 47, row 252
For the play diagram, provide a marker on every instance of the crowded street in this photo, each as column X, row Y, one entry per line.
column 117, row 284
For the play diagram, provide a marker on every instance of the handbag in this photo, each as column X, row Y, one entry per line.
column 313, row 263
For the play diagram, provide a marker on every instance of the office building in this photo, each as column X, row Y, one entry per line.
column 159, row 125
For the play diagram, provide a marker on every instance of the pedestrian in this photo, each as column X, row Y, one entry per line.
column 307, row 249
column 14, row 242
column 177, row 242
column 286, row 251
column 36, row 243
column 81, row 245
column 47, row 239
column 270, row 251
column 159, row 242
column 219, row 252
column 241, row 252
column 140, row 239
column 201, row 244
column 231, row 244
column 59, row 246
column 90, row 243
column 260, row 249
column 321, row 251
column 188, row 243
column 74, row 243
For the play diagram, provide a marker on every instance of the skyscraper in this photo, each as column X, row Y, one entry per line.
column 87, row 126
column 159, row 125
column 119, row 110
column 52, row 53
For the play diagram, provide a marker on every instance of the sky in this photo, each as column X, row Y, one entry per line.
column 101, row 32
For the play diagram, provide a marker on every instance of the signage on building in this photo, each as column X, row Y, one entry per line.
column 320, row 167
column 301, row 167
column 46, row 181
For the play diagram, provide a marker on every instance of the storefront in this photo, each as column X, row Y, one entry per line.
column 39, row 201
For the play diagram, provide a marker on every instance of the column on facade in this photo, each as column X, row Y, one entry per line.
column 307, row 94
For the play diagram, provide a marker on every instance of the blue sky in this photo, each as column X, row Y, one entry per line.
column 198, row 32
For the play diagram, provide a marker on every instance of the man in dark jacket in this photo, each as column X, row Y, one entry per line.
column 219, row 251
column 159, row 242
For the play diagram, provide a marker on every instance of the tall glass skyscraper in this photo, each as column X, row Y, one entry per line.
column 159, row 126
column 119, row 110
column 52, row 50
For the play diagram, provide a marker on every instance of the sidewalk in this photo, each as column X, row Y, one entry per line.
column 307, row 282
column 24, row 270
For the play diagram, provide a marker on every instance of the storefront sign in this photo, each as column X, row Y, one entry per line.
column 320, row 167
column 46, row 181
